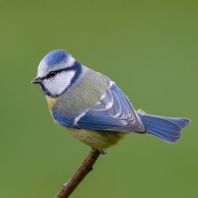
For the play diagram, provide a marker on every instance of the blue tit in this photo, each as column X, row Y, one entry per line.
column 92, row 108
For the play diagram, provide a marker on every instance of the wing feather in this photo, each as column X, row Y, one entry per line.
column 113, row 112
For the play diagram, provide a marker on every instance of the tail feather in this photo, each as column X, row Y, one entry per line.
column 166, row 128
column 164, row 136
column 182, row 122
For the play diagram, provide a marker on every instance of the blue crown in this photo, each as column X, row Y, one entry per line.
column 55, row 57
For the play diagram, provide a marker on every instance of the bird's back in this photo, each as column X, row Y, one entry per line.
column 78, row 98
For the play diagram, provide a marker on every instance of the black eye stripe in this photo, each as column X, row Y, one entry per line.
column 51, row 74
column 77, row 68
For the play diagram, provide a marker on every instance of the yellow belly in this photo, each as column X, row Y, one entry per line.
column 97, row 139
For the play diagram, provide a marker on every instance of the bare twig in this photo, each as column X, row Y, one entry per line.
column 82, row 171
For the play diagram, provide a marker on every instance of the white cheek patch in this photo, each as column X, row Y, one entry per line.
column 59, row 83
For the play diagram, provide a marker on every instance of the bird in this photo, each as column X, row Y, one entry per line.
column 92, row 108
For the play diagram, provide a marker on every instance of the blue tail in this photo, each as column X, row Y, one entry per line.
column 166, row 128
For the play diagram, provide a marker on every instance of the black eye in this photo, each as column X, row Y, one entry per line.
column 51, row 74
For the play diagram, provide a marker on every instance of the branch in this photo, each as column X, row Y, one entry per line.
column 82, row 171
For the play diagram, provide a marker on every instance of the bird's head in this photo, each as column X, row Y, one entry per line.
column 57, row 71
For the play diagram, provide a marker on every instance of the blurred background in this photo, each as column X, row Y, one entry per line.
column 149, row 48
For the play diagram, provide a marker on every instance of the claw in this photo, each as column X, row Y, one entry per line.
column 103, row 151
column 64, row 184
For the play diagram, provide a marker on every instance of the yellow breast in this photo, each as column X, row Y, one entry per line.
column 51, row 102
column 97, row 139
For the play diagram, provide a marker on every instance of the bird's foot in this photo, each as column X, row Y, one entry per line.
column 103, row 151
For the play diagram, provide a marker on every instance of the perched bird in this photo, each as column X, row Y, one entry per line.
column 93, row 108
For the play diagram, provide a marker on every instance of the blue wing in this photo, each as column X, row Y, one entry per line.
column 113, row 112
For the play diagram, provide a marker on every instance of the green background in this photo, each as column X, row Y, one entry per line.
column 149, row 48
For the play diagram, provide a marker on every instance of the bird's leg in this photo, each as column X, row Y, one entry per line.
column 103, row 151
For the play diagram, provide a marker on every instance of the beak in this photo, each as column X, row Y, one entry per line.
column 36, row 80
